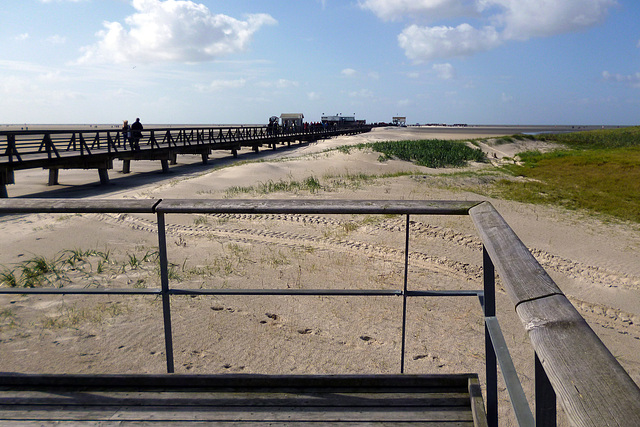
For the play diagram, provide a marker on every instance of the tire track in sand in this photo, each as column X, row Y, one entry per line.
column 441, row 265
column 627, row 324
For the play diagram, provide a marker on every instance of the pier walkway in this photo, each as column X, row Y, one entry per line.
column 97, row 148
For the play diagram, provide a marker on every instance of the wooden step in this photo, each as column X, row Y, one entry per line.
column 243, row 399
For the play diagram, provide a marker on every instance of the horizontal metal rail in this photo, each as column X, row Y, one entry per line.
column 273, row 292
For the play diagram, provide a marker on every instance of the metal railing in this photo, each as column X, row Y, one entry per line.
column 559, row 368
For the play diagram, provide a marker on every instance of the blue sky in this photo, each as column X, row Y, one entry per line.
column 240, row 61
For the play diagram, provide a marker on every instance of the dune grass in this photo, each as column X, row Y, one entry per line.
column 432, row 153
column 598, row 171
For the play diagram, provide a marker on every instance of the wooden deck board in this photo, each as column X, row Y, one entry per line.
column 387, row 399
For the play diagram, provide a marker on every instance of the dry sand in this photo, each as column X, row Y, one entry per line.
column 594, row 262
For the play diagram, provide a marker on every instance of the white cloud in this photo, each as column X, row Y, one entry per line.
column 21, row 37
column 444, row 71
column 428, row 43
column 506, row 98
column 524, row 19
column 314, row 96
column 500, row 21
column 631, row 79
column 432, row 9
column 362, row 93
column 349, row 72
column 172, row 31
column 57, row 39
column 280, row 84
column 217, row 85
column 284, row 83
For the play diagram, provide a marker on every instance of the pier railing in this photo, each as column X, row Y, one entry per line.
column 572, row 364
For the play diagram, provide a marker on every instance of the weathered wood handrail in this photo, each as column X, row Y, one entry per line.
column 592, row 387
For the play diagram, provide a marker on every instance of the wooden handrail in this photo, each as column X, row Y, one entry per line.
column 592, row 387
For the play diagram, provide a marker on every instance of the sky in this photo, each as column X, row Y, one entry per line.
column 546, row 62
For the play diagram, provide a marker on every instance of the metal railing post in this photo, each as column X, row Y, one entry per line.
column 491, row 367
column 545, row 397
column 404, row 295
column 164, row 280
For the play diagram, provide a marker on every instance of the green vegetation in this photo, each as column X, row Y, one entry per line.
column 69, row 266
column 598, row 171
column 597, row 139
column 310, row 184
column 432, row 153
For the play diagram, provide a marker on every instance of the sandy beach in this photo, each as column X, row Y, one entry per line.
column 595, row 262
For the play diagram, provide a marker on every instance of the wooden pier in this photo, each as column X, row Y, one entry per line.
column 97, row 148
column 572, row 365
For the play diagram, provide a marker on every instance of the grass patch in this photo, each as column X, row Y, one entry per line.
column 71, row 266
column 597, row 139
column 311, row 184
column 431, row 153
column 599, row 172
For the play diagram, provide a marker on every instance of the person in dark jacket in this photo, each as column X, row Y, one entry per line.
column 136, row 134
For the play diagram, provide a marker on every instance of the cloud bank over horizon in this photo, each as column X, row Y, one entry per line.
column 501, row 21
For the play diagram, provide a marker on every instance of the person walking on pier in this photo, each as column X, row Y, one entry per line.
column 136, row 134
column 126, row 132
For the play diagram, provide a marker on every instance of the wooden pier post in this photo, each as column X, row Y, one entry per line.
column 6, row 177
column 54, row 174
column 103, row 173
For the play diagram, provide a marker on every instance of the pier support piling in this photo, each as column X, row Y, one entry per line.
column 126, row 166
column 6, row 177
column 54, row 174
column 165, row 165
column 103, row 173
